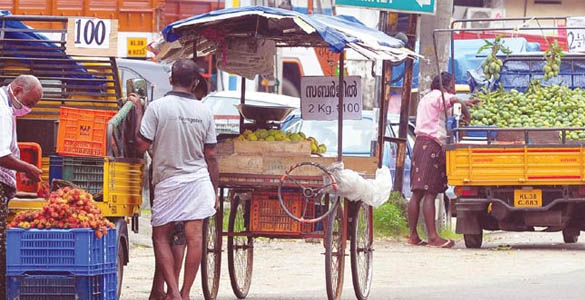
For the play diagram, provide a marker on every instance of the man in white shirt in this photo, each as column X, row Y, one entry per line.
column 16, row 100
column 181, row 131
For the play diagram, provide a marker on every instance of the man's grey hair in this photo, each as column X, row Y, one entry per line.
column 28, row 83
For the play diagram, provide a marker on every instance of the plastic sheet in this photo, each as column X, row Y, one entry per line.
column 352, row 186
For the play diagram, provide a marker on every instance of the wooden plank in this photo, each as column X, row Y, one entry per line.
column 278, row 165
column 301, row 148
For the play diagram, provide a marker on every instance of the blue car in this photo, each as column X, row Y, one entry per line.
column 359, row 136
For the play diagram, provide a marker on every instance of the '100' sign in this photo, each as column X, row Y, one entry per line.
column 92, row 33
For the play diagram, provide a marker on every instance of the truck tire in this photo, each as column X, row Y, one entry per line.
column 473, row 241
column 570, row 235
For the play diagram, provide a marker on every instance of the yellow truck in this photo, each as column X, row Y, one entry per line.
column 116, row 178
column 517, row 188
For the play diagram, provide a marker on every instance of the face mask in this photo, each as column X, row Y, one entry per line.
column 18, row 112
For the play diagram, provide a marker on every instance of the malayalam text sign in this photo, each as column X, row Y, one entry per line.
column 404, row 6
column 320, row 98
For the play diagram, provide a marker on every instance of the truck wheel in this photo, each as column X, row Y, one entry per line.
column 570, row 235
column 473, row 241
column 121, row 259
column 123, row 248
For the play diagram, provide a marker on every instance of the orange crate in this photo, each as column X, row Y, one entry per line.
column 267, row 216
column 82, row 132
column 32, row 154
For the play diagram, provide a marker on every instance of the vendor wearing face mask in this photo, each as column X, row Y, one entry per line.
column 16, row 99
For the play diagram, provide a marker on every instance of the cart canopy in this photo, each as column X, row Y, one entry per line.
column 286, row 28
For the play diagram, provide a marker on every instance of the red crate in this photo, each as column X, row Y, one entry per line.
column 267, row 216
column 82, row 132
column 32, row 154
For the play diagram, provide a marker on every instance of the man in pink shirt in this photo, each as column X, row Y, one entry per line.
column 427, row 174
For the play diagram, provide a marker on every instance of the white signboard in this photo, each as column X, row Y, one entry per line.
column 576, row 37
column 319, row 98
column 92, row 33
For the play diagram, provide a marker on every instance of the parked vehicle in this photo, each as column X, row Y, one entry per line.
column 518, row 177
column 155, row 74
column 226, row 115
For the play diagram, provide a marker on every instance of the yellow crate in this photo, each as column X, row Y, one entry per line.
column 122, row 187
column 523, row 165
column 45, row 168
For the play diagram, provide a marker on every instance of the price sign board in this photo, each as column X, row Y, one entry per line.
column 576, row 37
column 320, row 98
column 92, row 36
column 136, row 47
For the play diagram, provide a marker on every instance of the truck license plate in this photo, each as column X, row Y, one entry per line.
column 528, row 198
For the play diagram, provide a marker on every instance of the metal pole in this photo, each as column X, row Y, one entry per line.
column 382, row 26
column 242, row 101
column 404, row 106
column 382, row 117
column 340, row 108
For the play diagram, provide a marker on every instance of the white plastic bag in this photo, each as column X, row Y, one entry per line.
column 354, row 187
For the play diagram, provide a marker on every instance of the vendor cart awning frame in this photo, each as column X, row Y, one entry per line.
column 286, row 28
column 203, row 35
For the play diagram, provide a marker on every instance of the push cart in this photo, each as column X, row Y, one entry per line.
column 284, row 195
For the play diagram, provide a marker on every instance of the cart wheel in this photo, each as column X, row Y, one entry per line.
column 570, row 235
column 211, row 256
column 473, row 241
column 240, row 250
column 319, row 196
column 335, row 253
column 361, row 250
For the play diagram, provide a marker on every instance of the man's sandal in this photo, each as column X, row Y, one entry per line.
column 446, row 244
column 419, row 243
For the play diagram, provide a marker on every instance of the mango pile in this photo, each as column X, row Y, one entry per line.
column 66, row 208
column 540, row 106
column 274, row 135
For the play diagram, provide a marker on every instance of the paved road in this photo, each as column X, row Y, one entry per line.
column 510, row 266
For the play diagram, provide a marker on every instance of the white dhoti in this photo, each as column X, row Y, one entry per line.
column 183, row 198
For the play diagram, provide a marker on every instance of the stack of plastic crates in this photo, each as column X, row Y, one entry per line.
column 81, row 145
column 61, row 264
column 267, row 216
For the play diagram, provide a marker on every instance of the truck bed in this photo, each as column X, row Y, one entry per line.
column 498, row 165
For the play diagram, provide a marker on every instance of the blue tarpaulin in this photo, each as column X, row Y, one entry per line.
column 339, row 32
column 467, row 58
column 23, row 36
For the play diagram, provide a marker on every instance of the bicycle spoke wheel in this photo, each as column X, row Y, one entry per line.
column 211, row 256
column 335, row 254
column 361, row 250
column 240, row 250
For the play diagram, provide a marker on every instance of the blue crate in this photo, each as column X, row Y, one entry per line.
column 49, row 286
column 481, row 133
column 74, row 251
column 55, row 167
